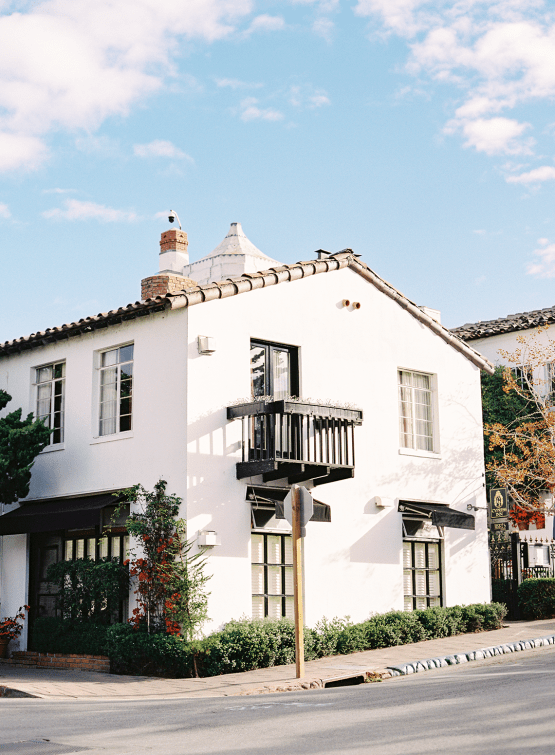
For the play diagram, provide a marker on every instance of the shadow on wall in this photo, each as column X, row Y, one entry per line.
column 381, row 544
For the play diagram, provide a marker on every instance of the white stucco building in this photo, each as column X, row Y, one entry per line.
column 193, row 384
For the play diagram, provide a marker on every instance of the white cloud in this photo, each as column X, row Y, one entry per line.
column 160, row 148
column 495, row 136
column 306, row 96
column 249, row 111
column 58, row 191
column 19, row 151
column 238, row 84
column 545, row 268
column 74, row 209
column 265, row 22
column 69, row 65
column 5, row 211
column 499, row 53
column 545, row 173
column 323, row 27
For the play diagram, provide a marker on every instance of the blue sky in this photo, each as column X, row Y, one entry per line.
column 420, row 134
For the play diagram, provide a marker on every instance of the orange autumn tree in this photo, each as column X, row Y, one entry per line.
column 523, row 447
column 169, row 577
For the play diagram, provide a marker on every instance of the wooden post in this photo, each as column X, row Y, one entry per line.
column 298, row 580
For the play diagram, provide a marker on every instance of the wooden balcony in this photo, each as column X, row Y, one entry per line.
column 297, row 441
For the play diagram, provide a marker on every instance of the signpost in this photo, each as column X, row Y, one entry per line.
column 298, row 507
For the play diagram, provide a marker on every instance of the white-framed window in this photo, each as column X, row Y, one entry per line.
column 272, row 576
column 116, row 390
column 416, row 410
column 50, row 382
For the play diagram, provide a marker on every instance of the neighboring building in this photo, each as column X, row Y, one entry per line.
column 496, row 339
column 178, row 385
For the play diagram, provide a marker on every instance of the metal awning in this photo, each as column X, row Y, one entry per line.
column 441, row 515
column 270, row 498
column 56, row 514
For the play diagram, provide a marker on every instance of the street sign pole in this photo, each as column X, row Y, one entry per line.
column 298, row 580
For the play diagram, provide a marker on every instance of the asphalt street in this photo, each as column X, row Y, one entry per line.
column 501, row 706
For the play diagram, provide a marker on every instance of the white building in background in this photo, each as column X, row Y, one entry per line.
column 193, row 384
column 497, row 339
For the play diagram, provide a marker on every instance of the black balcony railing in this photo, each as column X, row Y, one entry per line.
column 297, row 441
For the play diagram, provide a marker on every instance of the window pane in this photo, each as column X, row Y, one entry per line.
column 107, row 426
column 421, row 604
column 288, row 541
column 91, row 548
column 116, row 544
column 433, row 555
column 289, row 608
column 420, row 555
column 274, row 608
column 69, row 550
column 433, row 580
column 258, row 370
column 44, row 373
column 109, row 375
column 125, row 423
column 108, row 409
column 435, row 602
column 257, row 549
column 420, row 580
column 407, row 582
column 127, row 371
column 257, row 579
column 274, row 580
column 257, row 607
column 109, row 357
column 103, row 547
column 289, row 587
column 408, row 604
column 44, row 392
column 108, row 392
column 407, row 555
column 125, row 406
column 79, row 549
column 59, row 370
column 126, row 353
column 274, row 549
column 281, row 373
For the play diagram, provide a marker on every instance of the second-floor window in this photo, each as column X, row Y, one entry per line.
column 50, row 381
column 116, row 390
column 274, row 370
column 416, row 410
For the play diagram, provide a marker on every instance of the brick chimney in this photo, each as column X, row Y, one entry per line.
column 173, row 258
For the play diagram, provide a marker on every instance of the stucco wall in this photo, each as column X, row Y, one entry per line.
column 352, row 566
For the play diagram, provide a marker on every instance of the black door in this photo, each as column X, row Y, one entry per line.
column 46, row 549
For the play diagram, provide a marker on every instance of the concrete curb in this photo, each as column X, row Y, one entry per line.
column 474, row 655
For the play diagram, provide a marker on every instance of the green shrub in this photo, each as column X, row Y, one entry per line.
column 51, row 635
column 136, row 652
column 536, row 598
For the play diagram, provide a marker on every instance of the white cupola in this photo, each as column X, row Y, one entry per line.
column 235, row 256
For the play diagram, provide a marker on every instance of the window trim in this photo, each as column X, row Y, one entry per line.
column 117, row 434
column 411, row 451
column 60, row 445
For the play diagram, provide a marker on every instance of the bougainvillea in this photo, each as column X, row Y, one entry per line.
column 10, row 628
column 167, row 571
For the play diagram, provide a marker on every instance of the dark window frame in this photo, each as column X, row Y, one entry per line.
column 269, row 348
column 283, row 564
column 439, row 569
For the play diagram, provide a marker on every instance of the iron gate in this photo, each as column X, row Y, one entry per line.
column 512, row 561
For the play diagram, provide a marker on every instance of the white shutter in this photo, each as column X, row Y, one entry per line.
column 433, row 578
column 274, row 580
column 288, row 541
column 104, row 547
column 407, row 582
column 420, row 582
column 80, row 549
column 421, row 604
column 274, row 608
column 274, row 549
column 435, row 602
column 91, row 548
column 289, row 587
column 257, row 579
column 69, row 550
column 289, row 608
column 407, row 556
column 433, row 556
column 257, row 549
column 257, row 608
column 408, row 603
column 420, row 555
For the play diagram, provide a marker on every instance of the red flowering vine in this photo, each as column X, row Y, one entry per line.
column 169, row 577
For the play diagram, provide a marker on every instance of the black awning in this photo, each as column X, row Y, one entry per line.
column 56, row 514
column 272, row 498
column 441, row 515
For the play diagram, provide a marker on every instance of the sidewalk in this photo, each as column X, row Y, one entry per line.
column 325, row 672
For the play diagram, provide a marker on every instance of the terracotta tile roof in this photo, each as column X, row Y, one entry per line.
column 233, row 286
column 520, row 321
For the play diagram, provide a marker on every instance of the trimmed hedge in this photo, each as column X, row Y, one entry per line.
column 250, row 644
column 536, row 598
column 51, row 635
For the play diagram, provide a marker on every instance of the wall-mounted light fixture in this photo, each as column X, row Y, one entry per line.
column 383, row 503
column 208, row 538
column 206, row 345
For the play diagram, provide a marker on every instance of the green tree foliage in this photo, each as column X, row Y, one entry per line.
column 89, row 591
column 20, row 442
column 169, row 573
